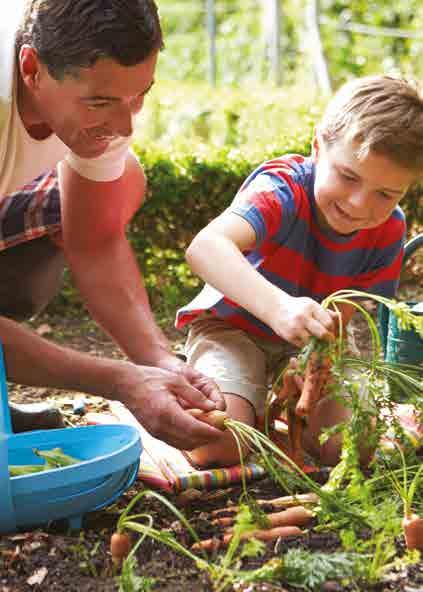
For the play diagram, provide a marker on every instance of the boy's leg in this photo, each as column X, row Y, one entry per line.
column 238, row 367
column 327, row 413
column 224, row 452
column 31, row 268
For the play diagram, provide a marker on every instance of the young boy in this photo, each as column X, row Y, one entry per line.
column 298, row 230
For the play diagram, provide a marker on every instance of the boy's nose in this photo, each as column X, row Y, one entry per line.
column 358, row 200
column 122, row 121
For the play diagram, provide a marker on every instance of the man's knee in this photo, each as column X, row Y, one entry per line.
column 31, row 276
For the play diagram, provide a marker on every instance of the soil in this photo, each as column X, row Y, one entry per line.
column 52, row 559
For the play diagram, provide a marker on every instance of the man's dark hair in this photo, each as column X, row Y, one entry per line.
column 72, row 34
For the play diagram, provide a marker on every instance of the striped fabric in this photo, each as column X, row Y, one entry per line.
column 164, row 467
column 31, row 212
column 295, row 254
column 215, row 478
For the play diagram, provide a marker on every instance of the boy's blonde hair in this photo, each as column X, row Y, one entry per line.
column 379, row 113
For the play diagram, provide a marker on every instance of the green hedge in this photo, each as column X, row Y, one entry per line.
column 184, row 193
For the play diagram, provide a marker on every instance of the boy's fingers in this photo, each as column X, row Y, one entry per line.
column 320, row 330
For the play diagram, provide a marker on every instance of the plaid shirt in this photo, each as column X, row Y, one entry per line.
column 31, row 212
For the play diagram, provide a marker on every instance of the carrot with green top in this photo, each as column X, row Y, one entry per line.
column 214, row 418
column 270, row 534
column 412, row 525
column 120, row 546
column 296, row 516
column 316, row 375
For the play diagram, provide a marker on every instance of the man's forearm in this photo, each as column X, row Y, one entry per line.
column 34, row 361
column 114, row 292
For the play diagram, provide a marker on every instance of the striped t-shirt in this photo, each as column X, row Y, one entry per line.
column 294, row 253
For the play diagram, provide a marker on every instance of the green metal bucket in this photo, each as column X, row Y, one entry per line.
column 405, row 347
column 401, row 346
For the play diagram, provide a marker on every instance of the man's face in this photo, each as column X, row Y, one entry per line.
column 89, row 111
column 353, row 194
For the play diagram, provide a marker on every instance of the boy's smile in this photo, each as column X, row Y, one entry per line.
column 356, row 193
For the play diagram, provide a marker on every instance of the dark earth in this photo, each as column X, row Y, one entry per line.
column 52, row 559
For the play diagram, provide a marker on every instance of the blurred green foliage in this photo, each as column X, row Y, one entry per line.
column 240, row 45
column 241, row 48
column 192, row 117
column 353, row 54
column 185, row 191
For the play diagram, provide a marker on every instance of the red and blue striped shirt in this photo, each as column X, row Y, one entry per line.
column 294, row 253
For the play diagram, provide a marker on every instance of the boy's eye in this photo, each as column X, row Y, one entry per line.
column 93, row 106
column 347, row 177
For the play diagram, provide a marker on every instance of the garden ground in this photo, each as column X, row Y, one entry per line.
column 53, row 560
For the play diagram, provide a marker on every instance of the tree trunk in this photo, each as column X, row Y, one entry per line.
column 315, row 48
column 271, row 26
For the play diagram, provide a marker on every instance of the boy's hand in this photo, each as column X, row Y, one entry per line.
column 298, row 319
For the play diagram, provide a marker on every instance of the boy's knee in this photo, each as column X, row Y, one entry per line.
column 327, row 414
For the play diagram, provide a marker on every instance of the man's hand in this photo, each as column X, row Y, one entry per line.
column 298, row 319
column 197, row 380
column 154, row 396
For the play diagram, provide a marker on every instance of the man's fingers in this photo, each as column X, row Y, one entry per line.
column 206, row 386
column 210, row 389
column 193, row 396
column 185, row 432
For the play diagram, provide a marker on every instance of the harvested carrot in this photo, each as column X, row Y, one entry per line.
column 295, row 434
column 289, row 386
column 296, row 516
column 289, row 390
column 120, row 545
column 270, row 534
column 214, row 418
column 413, row 531
column 316, row 375
column 286, row 501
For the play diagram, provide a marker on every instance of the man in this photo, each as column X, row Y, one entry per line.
column 74, row 74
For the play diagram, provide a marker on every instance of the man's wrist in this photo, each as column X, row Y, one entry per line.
column 161, row 356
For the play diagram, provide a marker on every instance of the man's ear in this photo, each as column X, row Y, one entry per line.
column 29, row 67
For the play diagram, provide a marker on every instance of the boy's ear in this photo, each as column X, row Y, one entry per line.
column 315, row 146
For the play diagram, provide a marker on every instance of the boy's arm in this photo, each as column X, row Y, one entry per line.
column 216, row 255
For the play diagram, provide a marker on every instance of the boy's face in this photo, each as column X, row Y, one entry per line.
column 353, row 194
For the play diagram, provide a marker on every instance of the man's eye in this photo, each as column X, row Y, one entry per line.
column 385, row 195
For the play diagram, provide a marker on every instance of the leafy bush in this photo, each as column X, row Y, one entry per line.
column 185, row 193
column 194, row 118
column 192, row 177
column 241, row 30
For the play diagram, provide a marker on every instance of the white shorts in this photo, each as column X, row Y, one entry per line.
column 240, row 363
